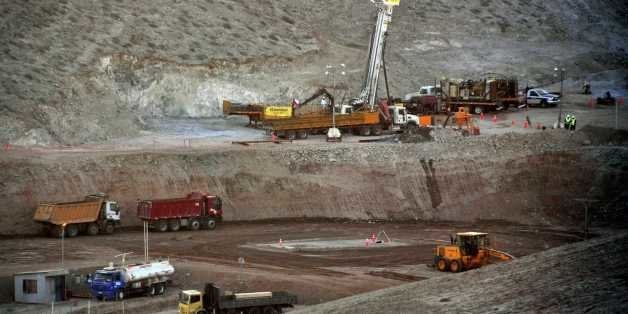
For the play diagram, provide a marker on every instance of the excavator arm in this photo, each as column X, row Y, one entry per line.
column 320, row 92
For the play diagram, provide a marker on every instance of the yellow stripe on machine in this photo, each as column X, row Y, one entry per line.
column 277, row 112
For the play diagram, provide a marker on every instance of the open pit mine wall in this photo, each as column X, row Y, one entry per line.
column 365, row 182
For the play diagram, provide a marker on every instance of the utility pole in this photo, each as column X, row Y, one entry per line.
column 145, row 242
column 616, row 114
column 62, row 245
column 560, row 103
column 586, row 202
column 331, row 70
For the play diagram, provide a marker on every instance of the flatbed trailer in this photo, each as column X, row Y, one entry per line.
column 257, row 112
column 298, row 127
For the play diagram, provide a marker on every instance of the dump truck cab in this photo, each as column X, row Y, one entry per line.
column 112, row 211
column 191, row 302
column 467, row 250
column 400, row 116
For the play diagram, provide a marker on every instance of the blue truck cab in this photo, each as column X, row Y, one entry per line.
column 108, row 284
column 116, row 283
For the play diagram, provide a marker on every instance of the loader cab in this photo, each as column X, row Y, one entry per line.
column 112, row 211
column 190, row 302
column 471, row 242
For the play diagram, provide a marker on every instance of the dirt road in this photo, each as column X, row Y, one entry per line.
column 315, row 275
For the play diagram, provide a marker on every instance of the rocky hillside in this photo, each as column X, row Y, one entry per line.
column 76, row 71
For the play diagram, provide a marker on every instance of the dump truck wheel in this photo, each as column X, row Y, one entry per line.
column 71, row 230
column 194, row 225
column 174, row 225
column 455, row 266
column 441, row 265
column 152, row 291
column 376, row 130
column 92, row 229
column 302, row 135
column 211, row 224
column 365, row 131
column 270, row 310
column 291, row 135
column 254, row 310
column 109, row 228
column 162, row 226
column 120, row 296
column 55, row 231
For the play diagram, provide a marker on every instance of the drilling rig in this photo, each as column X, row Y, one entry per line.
column 365, row 116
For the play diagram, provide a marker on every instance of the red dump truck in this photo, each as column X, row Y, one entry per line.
column 196, row 210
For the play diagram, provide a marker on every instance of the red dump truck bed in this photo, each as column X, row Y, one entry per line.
column 170, row 208
column 196, row 210
column 193, row 205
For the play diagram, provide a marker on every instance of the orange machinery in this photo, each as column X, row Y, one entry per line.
column 467, row 250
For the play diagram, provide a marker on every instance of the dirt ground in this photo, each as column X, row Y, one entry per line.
column 315, row 276
column 567, row 279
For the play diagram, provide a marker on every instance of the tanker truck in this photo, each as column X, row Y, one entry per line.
column 116, row 283
column 95, row 214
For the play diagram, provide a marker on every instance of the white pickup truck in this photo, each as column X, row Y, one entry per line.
column 423, row 91
column 541, row 97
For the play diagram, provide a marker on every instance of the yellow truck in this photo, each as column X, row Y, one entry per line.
column 95, row 214
column 212, row 300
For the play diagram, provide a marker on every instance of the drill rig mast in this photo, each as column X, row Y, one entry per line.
column 369, row 90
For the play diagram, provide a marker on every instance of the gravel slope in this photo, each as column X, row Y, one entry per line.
column 581, row 277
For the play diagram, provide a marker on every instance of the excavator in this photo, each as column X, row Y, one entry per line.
column 468, row 250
